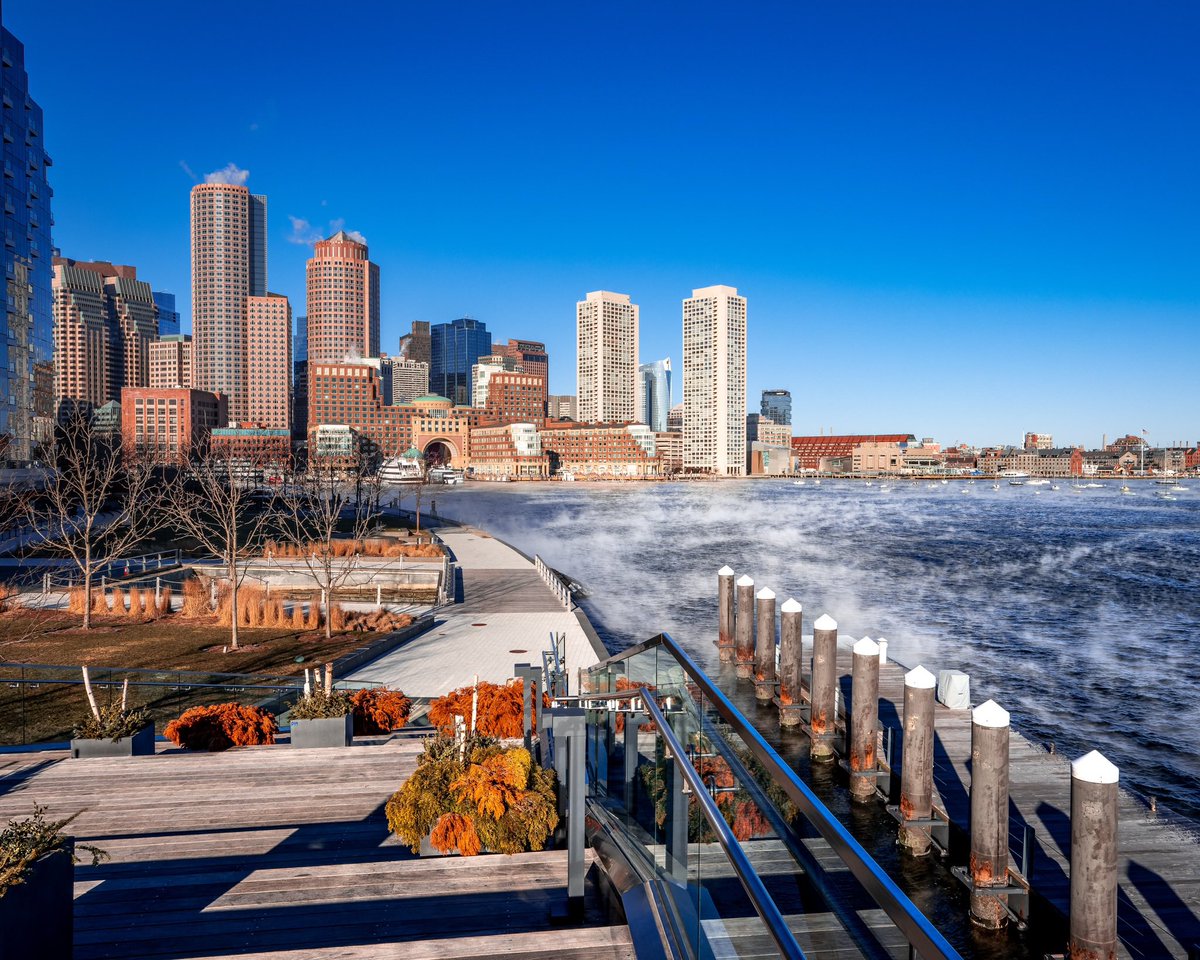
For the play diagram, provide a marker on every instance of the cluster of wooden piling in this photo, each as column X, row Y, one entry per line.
column 747, row 638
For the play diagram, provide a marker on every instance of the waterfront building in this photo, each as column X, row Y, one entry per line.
column 878, row 456
column 669, row 445
column 601, row 450
column 416, row 345
column 342, row 283
column 1053, row 462
column 776, row 406
column 511, row 451
column 514, row 397
column 768, row 459
column 654, row 394
column 168, row 316
column 27, row 348
column 675, row 419
column 765, row 430
column 714, row 382
column 269, row 362
column 531, row 357
column 809, row 452
column 1038, row 441
column 454, row 348
column 229, row 264
column 335, row 443
column 171, row 361
column 561, row 406
column 252, row 448
column 606, row 359
column 170, row 424
column 403, row 380
column 481, row 374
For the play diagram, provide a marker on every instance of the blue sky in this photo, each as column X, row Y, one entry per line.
column 962, row 220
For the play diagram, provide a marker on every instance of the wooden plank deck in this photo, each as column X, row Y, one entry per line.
column 1159, row 854
column 273, row 853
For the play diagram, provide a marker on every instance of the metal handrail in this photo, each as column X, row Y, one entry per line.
column 916, row 927
column 751, row 882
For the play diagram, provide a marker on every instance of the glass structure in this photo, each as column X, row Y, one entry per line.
column 168, row 316
column 777, row 406
column 655, row 394
column 27, row 348
column 454, row 348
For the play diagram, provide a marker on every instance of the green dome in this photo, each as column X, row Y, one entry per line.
column 412, row 453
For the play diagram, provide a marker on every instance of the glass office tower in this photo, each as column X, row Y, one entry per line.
column 454, row 348
column 655, row 394
column 777, row 406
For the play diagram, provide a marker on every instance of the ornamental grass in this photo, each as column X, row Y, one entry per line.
column 222, row 726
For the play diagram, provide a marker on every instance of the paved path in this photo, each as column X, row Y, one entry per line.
column 280, row 853
column 505, row 615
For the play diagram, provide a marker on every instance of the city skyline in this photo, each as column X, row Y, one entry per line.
column 1019, row 287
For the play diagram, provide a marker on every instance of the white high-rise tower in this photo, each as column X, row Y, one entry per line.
column 607, row 361
column 714, row 381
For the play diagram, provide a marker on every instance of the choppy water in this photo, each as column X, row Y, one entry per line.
column 1077, row 612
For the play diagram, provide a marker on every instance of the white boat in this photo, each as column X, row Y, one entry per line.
column 816, row 483
column 1126, row 492
column 995, row 486
column 401, row 470
column 869, row 483
column 1016, row 483
column 1167, row 482
column 1166, row 495
column 1038, row 482
column 1013, row 475
column 799, row 483
column 964, row 489
column 1093, row 486
column 1054, row 486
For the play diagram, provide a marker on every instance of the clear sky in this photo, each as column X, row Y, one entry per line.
column 960, row 220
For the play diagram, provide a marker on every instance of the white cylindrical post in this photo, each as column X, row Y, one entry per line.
column 1094, row 782
column 823, row 715
column 378, row 596
column 725, row 614
column 882, row 644
column 864, row 718
column 989, row 813
column 764, row 650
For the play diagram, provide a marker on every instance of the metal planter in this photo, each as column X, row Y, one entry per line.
column 37, row 915
column 141, row 744
column 326, row 732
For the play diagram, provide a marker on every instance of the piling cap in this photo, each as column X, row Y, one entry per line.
column 1094, row 767
column 766, row 593
column 745, row 581
column 825, row 622
column 867, row 647
column 725, row 572
column 990, row 714
column 791, row 606
column 920, row 678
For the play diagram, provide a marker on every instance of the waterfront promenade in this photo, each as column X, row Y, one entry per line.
column 504, row 615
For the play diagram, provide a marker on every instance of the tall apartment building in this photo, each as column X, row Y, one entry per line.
column 515, row 397
column 481, row 375
column 654, row 394
column 27, row 344
column 171, row 362
column 269, row 363
column 403, row 380
column 454, row 348
column 561, row 406
column 531, row 357
column 168, row 316
column 606, row 362
column 714, row 381
column 776, row 406
column 343, row 301
column 229, row 264
column 415, row 346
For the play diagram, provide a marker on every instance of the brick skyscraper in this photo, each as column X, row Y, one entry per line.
column 343, row 301
column 229, row 264
column 269, row 368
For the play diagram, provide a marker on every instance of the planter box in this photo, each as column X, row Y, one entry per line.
column 141, row 744
column 37, row 916
column 326, row 732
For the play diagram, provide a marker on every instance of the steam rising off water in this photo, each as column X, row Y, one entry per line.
column 1077, row 612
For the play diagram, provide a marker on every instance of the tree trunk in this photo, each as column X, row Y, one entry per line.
column 87, row 598
column 233, row 605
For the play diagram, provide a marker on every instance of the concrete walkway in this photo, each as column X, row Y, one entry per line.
column 505, row 615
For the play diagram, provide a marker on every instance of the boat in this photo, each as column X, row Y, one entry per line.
column 1038, row 482
column 1093, row 486
column 401, row 470
column 799, row 483
column 1016, row 483
column 1126, row 492
column 816, row 483
column 995, row 486
column 1054, row 486
column 1013, row 475
column 1167, row 482
column 869, row 483
column 1166, row 495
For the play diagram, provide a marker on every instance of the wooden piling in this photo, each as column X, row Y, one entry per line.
column 823, row 716
column 744, row 628
column 1093, row 858
column 764, row 647
column 989, row 814
column 725, row 614
column 916, row 782
column 864, row 719
column 791, row 657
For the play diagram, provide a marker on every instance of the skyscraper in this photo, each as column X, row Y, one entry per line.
column 714, row 381
column 606, row 364
column 454, row 348
column 269, row 363
column 171, row 362
column 415, row 345
column 229, row 258
column 343, row 301
column 168, row 316
column 777, row 406
column 300, row 381
column 654, row 395
column 26, row 349
column 531, row 357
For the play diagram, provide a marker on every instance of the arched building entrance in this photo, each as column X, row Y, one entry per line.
column 441, row 452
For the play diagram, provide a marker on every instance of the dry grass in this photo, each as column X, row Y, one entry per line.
column 350, row 548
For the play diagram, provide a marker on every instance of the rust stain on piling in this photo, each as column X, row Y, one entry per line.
column 1077, row 952
column 982, row 871
column 785, row 695
column 819, row 723
column 856, row 763
column 906, row 808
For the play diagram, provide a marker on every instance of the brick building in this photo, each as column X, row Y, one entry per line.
column 531, row 357
column 269, row 361
column 171, row 361
column 512, row 451
column 602, row 450
column 810, row 451
column 515, row 398
column 170, row 424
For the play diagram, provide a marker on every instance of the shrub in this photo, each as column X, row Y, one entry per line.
column 100, row 601
column 76, row 600
column 222, row 726
column 298, row 620
column 195, row 599
column 497, row 799
column 164, row 602
column 113, row 723
column 499, row 713
column 379, row 710
column 319, row 705
column 135, row 603
column 24, row 842
column 337, row 617
column 314, row 613
column 623, row 683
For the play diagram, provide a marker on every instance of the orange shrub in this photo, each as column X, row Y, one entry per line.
column 195, row 599
column 453, row 831
column 337, row 617
column 379, row 710
column 222, row 726
column 499, row 713
column 135, row 603
column 314, row 613
column 164, row 601
column 298, row 616
column 100, row 601
column 76, row 600
column 624, row 683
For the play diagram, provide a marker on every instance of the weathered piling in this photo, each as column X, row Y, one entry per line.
column 744, row 628
column 1093, row 858
column 916, row 782
column 791, row 657
column 823, row 716
column 883, row 645
column 725, row 614
column 864, row 719
column 764, row 647
column 989, row 813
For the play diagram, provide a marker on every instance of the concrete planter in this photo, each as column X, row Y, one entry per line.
column 141, row 744
column 326, row 732
column 37, row 916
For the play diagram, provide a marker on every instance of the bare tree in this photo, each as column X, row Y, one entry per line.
column 331, row 500
column 98, row 502
column 215, row 503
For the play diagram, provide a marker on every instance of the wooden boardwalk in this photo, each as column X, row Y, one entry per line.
column 1159, row 854
column 274, row 852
